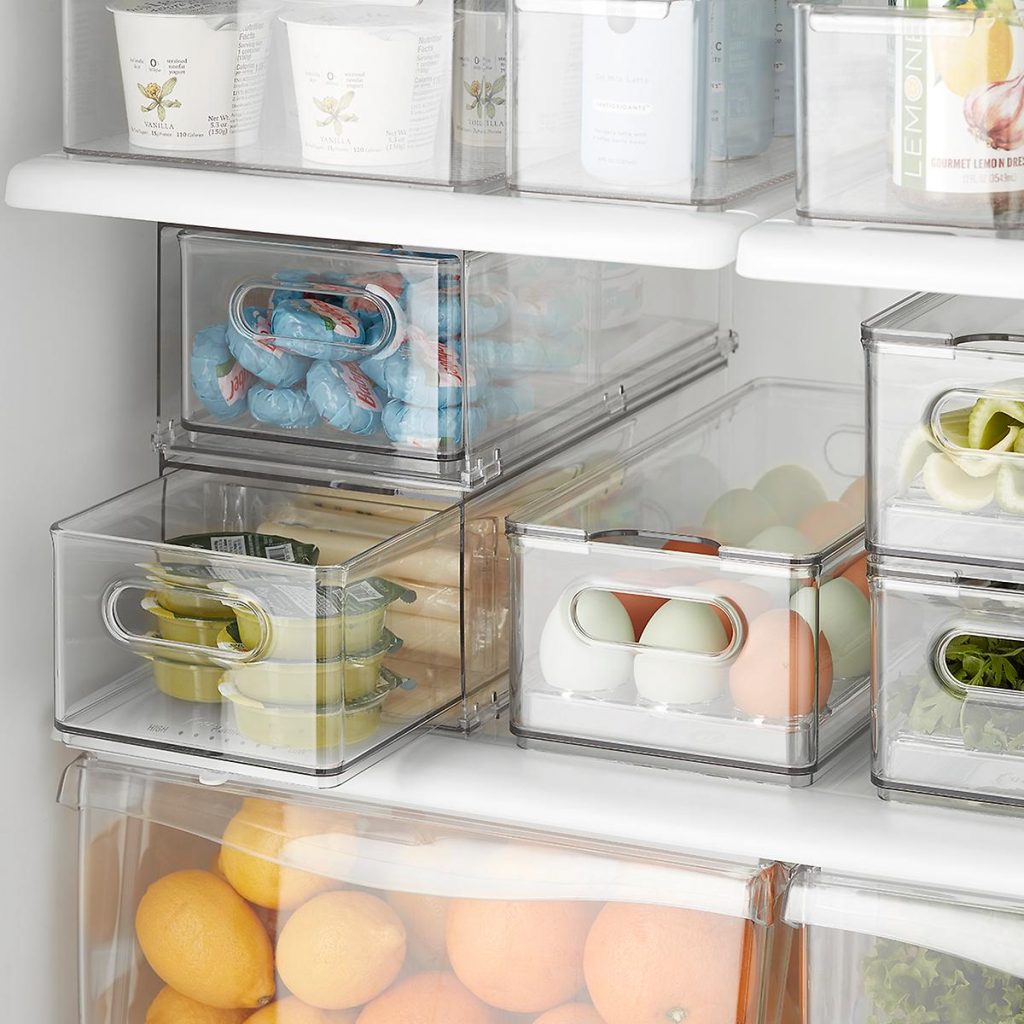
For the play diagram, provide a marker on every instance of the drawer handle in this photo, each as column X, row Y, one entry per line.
column 392, row 317
column 150, row 642
column 960, row 401
column 726, row 606
column 961, row 690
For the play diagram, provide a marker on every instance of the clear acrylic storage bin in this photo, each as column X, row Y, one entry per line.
column 444, row 367
column 949, row 669
column 946, row 408
column 703, row 599
column 194, row 894
column 667, row 101
column 414, row 92
column 909, row 113
column 886, row 951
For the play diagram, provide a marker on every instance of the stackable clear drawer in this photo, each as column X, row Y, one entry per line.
column 658, row 100
column 240, row 899
column 949, row 668
column 720, row 614
column 322, row 360
column 909, row 113
column 946, row 410
column 413, row 92
column 887, row 951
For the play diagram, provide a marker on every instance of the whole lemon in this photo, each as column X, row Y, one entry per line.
column 253, row 845
column 294, row 1011
column 170, row 1007
column 205, row 941
column 983, row 56
column 341, row 949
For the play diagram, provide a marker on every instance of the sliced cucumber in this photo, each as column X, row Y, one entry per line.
column 990, row 419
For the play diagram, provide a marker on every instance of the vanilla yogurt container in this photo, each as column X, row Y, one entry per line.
column 193, row 71
column 372, row 85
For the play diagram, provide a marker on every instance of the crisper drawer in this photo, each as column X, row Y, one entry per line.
column 413, row 92
column 946, row 404
column 949, row 650
column 722, row 615
column 880, row 951
column 194, row 894
column 657, row 100
column 908, row 113
column 333, row 360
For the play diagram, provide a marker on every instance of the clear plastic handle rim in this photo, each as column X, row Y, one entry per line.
column 726, row 606
column 136, row 641
column 946, row 444
column 393, row 321
column 962, row 690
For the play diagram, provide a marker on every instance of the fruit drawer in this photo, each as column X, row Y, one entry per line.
column 413, row 92
column 947, row 428
column 882, row 951
column 336, row 360
column 949, row 668
column 240, row 901
column 720, row 618
column 910, row 113
column 673, row 101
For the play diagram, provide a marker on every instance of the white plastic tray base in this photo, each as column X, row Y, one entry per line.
column 703, row 731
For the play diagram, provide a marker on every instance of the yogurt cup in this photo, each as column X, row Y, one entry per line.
column 372, row 85
column 193, row 71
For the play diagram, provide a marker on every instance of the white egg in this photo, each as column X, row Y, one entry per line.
column 844, row 616
column 568, row 662
column 785, row 540
column 792, row 492
column 737, row 516
column 677, row 682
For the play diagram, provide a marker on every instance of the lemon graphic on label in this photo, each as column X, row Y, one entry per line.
column 984, row 56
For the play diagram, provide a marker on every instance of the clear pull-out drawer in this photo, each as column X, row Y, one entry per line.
column 401, row 91
column 949, row 650
column 880, row 951
column 240, row 900
column 909, row 113
column 703, row 599
column 660, row 100
column 946, row 409
column 333, row 360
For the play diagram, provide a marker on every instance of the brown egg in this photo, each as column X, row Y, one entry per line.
column 826, row 523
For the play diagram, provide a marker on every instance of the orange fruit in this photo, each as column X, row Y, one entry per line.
column 857, row 573
column 571, row 1013
column 170, row 1007
column 254, row 842
column 205, row 941
column 524, row 956
column 434, row 997
column 774, row 674
column 341, row 949
column 294, row 1011
column 829, row 521
column 426, row 923
column 659, row 965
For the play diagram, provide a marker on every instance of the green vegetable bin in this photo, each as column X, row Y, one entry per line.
column 890, row 953
column 945, row 382
column 949, row 680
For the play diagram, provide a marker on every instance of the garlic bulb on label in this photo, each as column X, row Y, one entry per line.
column 995, row 113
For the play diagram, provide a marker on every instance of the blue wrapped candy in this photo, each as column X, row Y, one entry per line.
column 282, row 407
column 295, row 278
column 489, row 310
column 345, row 397
column 421, row 427
column 435, row 306
column 546, row 310
column 218, row 380
column 318, row 329
column 270, row 363
column 424, row 372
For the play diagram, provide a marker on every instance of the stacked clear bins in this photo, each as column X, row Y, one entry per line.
column 909, row 113
column 398, row 91
column 894, row 952
column 722, row 616
column 945, row 509
column 325, row 359
column 675, row 101
column 239, row 900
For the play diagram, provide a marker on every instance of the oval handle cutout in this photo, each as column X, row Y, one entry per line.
column 981, row 660
column 979, row 427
